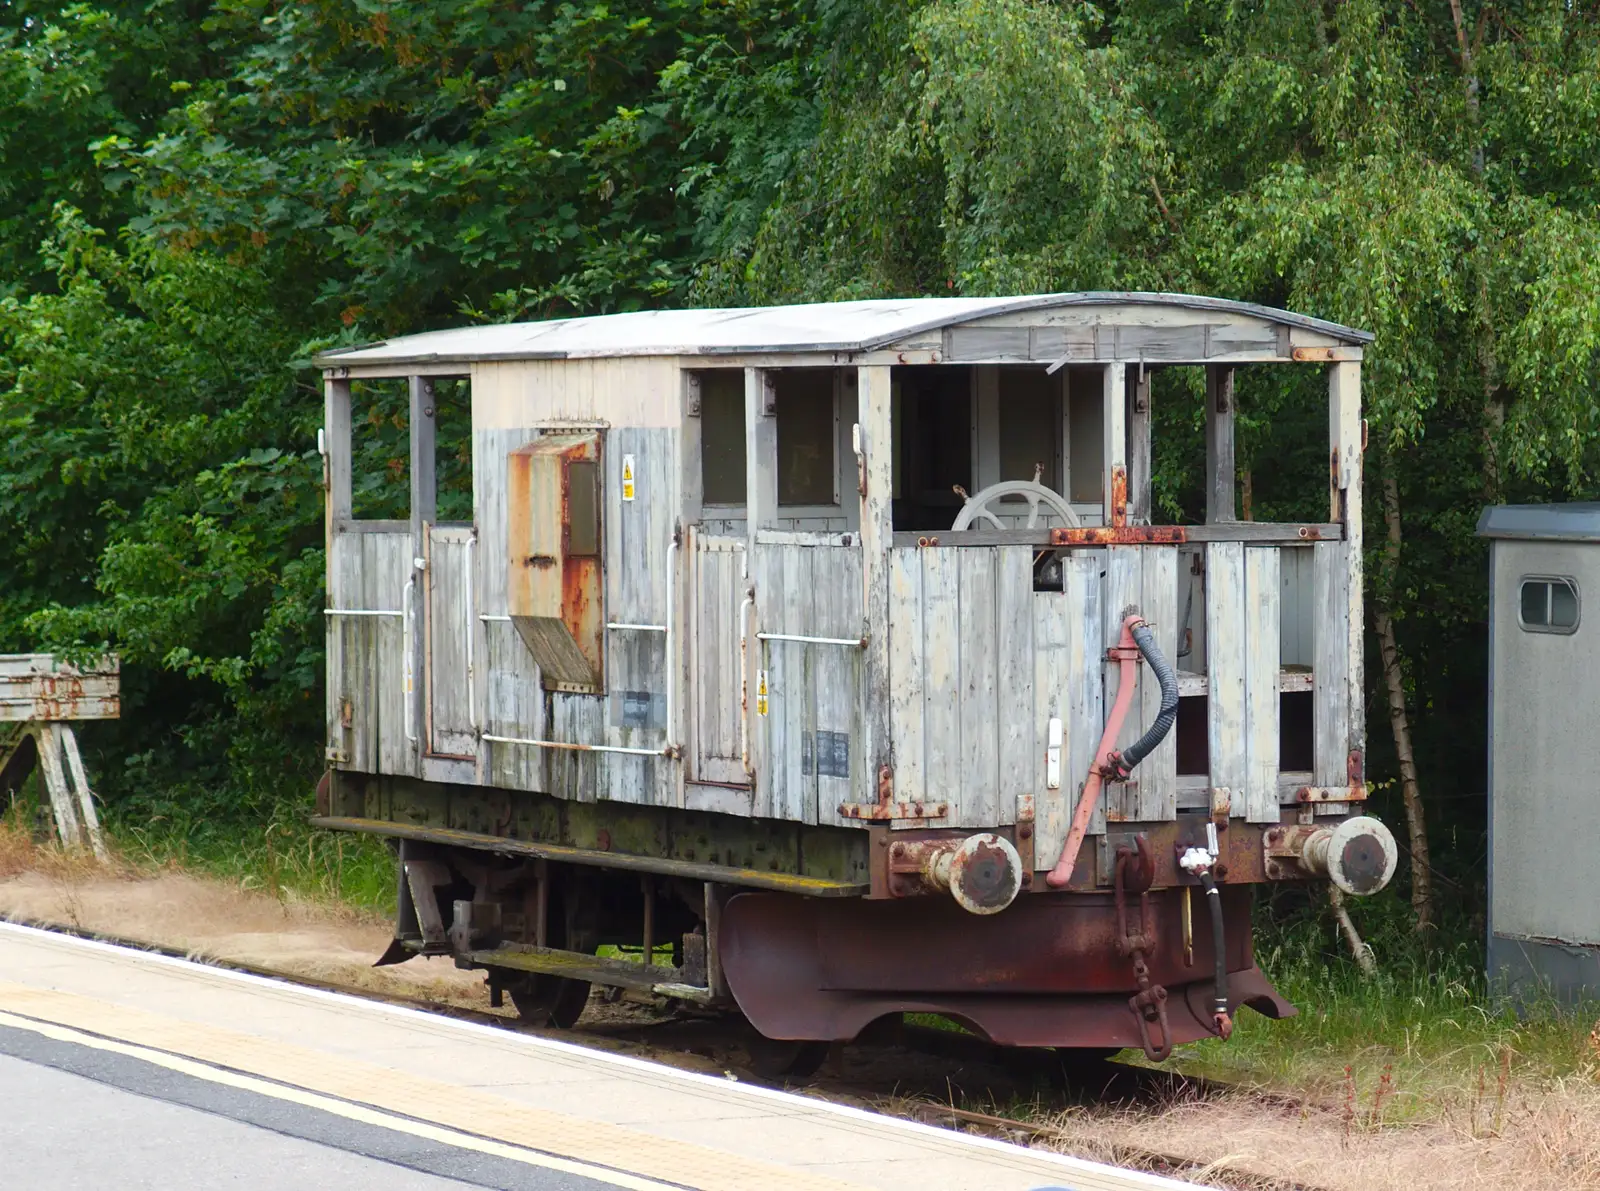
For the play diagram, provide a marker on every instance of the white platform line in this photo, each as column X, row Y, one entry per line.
column 1103, row 1175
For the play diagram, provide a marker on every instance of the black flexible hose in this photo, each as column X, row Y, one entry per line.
column 1145, row 745
column 1219, row 1003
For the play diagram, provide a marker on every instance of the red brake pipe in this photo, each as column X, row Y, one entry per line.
column 1127, row 680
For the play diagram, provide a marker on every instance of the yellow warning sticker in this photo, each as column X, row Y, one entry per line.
column 627, row 477
column 761, row 692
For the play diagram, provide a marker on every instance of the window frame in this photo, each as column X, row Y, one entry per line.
column 1549, row 582
column 803, row 511
column 731, row 511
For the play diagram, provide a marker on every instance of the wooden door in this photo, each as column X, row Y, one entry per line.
column 719, row 616
column 448, row 643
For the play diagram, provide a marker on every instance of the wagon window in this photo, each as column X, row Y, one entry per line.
column 1548, row 604
column 583, row 507
column 722, row 458
column 807, row 416
column 1030, row 426
column 1086, row 419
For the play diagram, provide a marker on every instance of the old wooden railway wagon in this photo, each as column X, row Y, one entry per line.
column 794, row 658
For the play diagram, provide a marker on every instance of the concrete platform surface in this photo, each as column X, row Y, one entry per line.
column 279, row 1082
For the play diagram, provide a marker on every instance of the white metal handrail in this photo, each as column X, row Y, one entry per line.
column 855, row 642
column 672, row 638
column 579, row 748
column 668, row 750
column 363, row 612
column 744, row 678
column 407, row 677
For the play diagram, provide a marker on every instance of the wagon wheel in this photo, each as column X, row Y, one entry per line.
column 978, row 506
column 555, row 1000
column 774, row 1058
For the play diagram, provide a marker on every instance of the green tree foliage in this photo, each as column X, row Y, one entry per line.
column 195, row 196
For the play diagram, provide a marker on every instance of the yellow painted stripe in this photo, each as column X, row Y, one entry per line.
column 601, row 1149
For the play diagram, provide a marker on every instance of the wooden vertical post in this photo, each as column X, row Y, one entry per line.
column 690, row 452
column 424, row 511
column 424, row 489
column 48, row 740
column 1345, row 432
column 336, row 450
column 85, row 796
column 1219, row 443
column 1139, row 464
column 1116, row 444
column 761, row 505
column 337, row 508
column 877, row 529
column 761, row 453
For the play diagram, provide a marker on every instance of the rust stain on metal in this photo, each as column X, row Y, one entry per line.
column 1309, row 533
column 1355, row 769
column 1354, row 793
column 1119, row 496
column 879, row 812
column 1120, row 535
column 581, row 605
column 925, row 542
column 1313, row 355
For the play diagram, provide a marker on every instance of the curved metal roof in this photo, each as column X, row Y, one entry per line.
column 818, row 327
column 1576, row 521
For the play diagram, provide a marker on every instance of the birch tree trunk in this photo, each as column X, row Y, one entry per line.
column 1399, row 718
column 1494, row 408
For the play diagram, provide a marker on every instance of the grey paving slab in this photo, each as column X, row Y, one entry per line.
column 129, row 1126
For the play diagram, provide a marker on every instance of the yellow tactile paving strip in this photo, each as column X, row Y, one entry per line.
column 466, row 1109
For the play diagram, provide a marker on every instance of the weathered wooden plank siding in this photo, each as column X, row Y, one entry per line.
column 1225, row 667
column 812, row 729
column 977, row 643
column 1020, row 733
column 638, row 537
column 907, row 724
column 941, row 677
column 511, row 701
column 1124, row 589
column 965, row 709
column 717, row 590
column 1262, row 586
column 1067, row 631
column 637, row 391
column 1331, row 669
column 352, row 642
column 1157, row 775
column 450, row 616
column 385, row 569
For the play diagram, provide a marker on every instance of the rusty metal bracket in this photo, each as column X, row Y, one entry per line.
column 1135, row 872
column 1119, row 535
column 1281, row 848
column 1357, row 793
column 886, row 811
column 886, row 808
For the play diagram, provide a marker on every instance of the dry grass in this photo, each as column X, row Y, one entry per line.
column 1333, row 1114
column 210, row 917
column 1534, row 1139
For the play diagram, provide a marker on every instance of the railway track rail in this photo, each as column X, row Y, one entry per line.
column 872, row 1073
